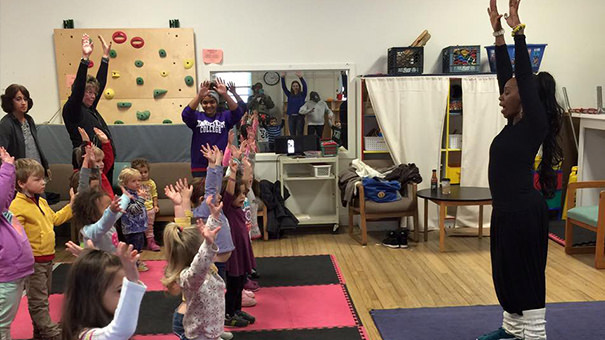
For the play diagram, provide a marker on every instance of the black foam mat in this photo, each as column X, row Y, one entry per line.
column 155, row 315
column 345, row 333
column 296, row 271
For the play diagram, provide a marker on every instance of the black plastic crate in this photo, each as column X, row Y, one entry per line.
column 462, row 59
column 405, row 60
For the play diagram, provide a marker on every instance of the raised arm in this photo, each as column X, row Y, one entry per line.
column 283, row 84
column 193, row 276
column 189, row 112
column 221, row 88
column 7, row 179
column 97, row 230
column 72, row 105
column 102, row 72
column 304, row 84
column 503, row 65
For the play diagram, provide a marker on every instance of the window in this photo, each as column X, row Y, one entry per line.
column 242, row 80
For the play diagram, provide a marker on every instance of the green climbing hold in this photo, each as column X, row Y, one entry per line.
column 189, row 80
column 138, row 63
column 113, row 53
column 124, row 105
column 158, row 92
column 143, row 115
column 166, row 121
column 118, row 122
column 140, row 81
column 162, row 53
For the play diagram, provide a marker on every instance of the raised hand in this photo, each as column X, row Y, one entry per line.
column 235, row 151
column 494, row 16
column 231, row 138
column 208, row 152
column 231, row 87
column 114, row 206
column 184, row 189
column 87, row 46
column 282, row 74
column 83, row 135
column 221, row 87
column 218, row 155
column 72, row 196
column 299, row 74
column 89, row 157
column 5, row 157
column 204, row 89
column 171, row 192
column 106, row 47
column 75, row 249
column 207, row 233
column 126, row 192
column 101, row 135
column 129, row 257
column 233, row 165
column 215, row 205
column 512, row 19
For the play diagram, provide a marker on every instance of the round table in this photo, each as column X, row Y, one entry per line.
column 459, row 196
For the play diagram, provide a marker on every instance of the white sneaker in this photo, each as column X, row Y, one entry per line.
column 227, row 336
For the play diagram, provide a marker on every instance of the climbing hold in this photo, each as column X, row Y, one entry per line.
column 188, row 63
column 115, row 74
column 113, row 53
column 91, row 63
column 158, row 92
column 143, row 115
column 124, row 105
column 137, row 42
column 118, row 122
column 166, row 121
column 109, row 93
column 164, row 73
column 189, row 80
column 162, row 53
column 119, row 37
column 138, row 63
column 140, row 81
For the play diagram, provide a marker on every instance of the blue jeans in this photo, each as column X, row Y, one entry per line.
column 296, row 125
column 136, row 239
column 177, row 325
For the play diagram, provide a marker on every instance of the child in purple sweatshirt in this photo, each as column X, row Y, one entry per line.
column 209, row 126
column 16, row 258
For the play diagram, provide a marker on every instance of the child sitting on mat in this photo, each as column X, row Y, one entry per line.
column 103, row 295
column 190, row 251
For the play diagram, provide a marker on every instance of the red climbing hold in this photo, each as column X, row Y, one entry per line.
column 137, row 42
column 91, row 63
column 119, row 37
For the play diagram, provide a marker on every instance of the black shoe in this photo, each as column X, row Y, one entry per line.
column 235, row 321
column 392, row 240
column 245, row 316
column 254, row 275
column 403, row 238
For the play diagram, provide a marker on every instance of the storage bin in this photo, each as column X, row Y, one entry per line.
column 321, row 170
column 329, row 148
column 405, row 60
column 536, row 52
column 455, row 141
column 461, row 59
column 375, row 144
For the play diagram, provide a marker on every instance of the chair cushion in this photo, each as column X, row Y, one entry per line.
column 404, row 204
column 586, row 214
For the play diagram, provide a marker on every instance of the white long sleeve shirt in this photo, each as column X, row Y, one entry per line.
column 316, row 112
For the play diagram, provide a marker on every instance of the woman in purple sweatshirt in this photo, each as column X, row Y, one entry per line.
column 209, row 126
column 16, row 258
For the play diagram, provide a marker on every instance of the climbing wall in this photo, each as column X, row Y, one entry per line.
column 151, row 77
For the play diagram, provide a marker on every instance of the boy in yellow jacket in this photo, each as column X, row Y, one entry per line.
column 38, row 219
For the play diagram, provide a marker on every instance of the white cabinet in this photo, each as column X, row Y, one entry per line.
column 298, row 175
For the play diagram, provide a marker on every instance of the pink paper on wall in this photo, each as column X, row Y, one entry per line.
column 212, row 56
column 69, row 79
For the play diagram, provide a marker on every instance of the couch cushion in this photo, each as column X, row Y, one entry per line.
column 586, row 214
column 60, row 180
column 404, row 204
column 168, row 173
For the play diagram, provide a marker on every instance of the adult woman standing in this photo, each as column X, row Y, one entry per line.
column 519, row 224
column 209, row 126
column 296, row 99
column 18, row 134
column 80, row 109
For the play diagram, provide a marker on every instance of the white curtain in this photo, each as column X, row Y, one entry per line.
column 481, row 122
column 410, row 112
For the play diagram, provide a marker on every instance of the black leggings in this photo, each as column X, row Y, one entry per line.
column 233, row 297
column 519, row 246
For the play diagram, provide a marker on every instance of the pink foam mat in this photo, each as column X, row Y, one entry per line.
column 152, row 277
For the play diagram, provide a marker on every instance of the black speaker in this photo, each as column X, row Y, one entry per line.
column 296, row 145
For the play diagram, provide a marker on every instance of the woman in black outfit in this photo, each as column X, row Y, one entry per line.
column 519, row 223
column 80, row 109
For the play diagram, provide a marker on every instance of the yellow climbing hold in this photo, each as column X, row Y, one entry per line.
column 115, row 74
column 109, row 93
column 188, row 63
column 164, row 73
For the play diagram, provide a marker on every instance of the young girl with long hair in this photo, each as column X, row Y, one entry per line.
column 103, row 295
column 519, row 223
column 190, row 251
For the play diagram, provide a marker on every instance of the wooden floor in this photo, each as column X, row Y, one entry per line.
column 421, row 276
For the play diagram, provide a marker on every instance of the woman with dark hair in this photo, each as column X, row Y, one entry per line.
column 18, row 134
column 80, row 109
column 519, row 223
column 296, row 99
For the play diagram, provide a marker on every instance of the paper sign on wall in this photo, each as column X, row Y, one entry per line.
column 212, row 56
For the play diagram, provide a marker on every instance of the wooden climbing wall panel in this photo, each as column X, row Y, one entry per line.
column 159, row 71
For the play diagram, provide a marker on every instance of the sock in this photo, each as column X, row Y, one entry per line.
column 535, row 324
column 513, row 324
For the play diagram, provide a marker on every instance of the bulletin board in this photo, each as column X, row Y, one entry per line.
column 148, row 83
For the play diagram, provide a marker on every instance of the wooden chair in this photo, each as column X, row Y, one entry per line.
column 369, row 210
column 587, row 217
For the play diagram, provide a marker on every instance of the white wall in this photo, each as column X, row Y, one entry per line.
column 312, row 31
